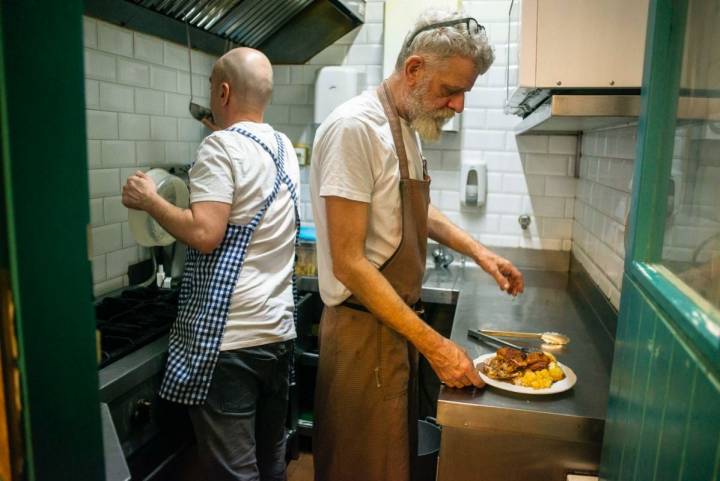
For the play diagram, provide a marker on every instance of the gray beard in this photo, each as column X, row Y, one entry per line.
column 427, row 123
column 429, row 128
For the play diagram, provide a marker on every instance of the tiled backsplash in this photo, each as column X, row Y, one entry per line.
column 603, row 201
column 529, row 175
column 694, row 219
column 137, row 90
column 602, row 205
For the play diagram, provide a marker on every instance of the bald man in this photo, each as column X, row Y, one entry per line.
column 229, row 351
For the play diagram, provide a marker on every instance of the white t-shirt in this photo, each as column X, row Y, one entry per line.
column 354, row 158
column 234, row 169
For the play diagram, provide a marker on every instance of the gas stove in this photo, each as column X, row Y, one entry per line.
column 133, row 319
column 144, row 437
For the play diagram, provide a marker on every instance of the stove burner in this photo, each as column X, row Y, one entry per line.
column 134, row 319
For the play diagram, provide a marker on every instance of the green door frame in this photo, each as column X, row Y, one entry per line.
column 46, row 212
column 663, row 418
column 697, row 319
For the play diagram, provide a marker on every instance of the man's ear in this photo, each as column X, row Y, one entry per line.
column 224, row 93
column 414, row 66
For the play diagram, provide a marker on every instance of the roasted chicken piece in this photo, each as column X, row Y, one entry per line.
column 506, row 364
column 509, row 363
column 512, row 355
column 538, row 360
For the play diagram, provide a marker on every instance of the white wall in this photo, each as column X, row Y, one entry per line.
column 695, row 216
column 137, row 90
column 137, row 93
column 604, row 195
column 602, row 205
column 531, row 175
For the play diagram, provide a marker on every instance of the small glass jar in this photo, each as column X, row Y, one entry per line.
column 306, row 264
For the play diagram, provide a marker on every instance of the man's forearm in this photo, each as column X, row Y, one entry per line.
column 442, row 230
column 374, row 291
column 505, row 274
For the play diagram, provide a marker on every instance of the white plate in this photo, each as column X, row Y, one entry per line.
column 556, row 387
column 145, row 230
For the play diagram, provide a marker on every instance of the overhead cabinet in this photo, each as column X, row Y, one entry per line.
column 582, row 43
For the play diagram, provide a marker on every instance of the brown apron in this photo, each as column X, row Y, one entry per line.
column 365, row 368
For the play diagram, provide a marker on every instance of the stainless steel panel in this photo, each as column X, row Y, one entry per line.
column 116, row 468
column 491, row 434
column 471, row 455
column 133, row 369
column 492, row 419
column 577, row 113
column 546, row 305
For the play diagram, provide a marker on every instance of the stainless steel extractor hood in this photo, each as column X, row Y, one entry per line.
column 571, row 113
column 287, row 31
column 580, row 66
column 580, row 63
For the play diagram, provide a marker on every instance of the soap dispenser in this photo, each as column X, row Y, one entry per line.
column 473, row 184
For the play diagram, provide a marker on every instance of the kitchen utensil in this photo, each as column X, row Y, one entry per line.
column 199, row 112
column 558, row 386
column 196, row 110
column 547, row 337
column 145, row 230
column 481, row 336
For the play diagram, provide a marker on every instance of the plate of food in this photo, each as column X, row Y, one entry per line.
column 527, row 373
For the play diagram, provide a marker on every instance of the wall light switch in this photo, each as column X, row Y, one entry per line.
column 302, row 154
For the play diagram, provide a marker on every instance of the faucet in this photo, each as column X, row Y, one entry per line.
column 442, row 258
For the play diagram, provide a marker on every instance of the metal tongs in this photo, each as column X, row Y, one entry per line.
column 196, row 110
column 478, row 335
column 546, row 337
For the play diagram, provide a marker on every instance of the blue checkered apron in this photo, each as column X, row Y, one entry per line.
column 207, row 287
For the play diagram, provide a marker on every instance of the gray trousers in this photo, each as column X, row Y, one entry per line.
column 240, row 429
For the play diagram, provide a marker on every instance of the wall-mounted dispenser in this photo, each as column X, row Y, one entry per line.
column 334, row 86
column 473, row 184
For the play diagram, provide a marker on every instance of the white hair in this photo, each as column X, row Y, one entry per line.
column 444, row 42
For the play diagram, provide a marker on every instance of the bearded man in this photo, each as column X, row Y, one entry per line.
column 370, row 194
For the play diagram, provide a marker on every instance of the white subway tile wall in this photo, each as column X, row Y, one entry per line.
column 602, row 204
column 695, row 218
column 137, row 86
column 137, row 90
column 528, row 175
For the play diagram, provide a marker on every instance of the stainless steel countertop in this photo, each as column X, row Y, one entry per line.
column 546, row 305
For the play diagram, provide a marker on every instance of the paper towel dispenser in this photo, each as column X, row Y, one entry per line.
column 335, row 85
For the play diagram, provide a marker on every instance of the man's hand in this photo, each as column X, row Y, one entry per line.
column 139, row 192
column 505, row 274
column 453, row 366
column 209, row 123
column 445, row 232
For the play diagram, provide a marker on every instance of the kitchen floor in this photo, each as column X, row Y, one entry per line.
column 302, row 468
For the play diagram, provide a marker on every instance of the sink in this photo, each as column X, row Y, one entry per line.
column 440, row 295
column 438, row 286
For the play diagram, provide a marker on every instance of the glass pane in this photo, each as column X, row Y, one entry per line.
column 692, row 238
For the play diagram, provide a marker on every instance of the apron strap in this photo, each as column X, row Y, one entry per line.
column 391, row 112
